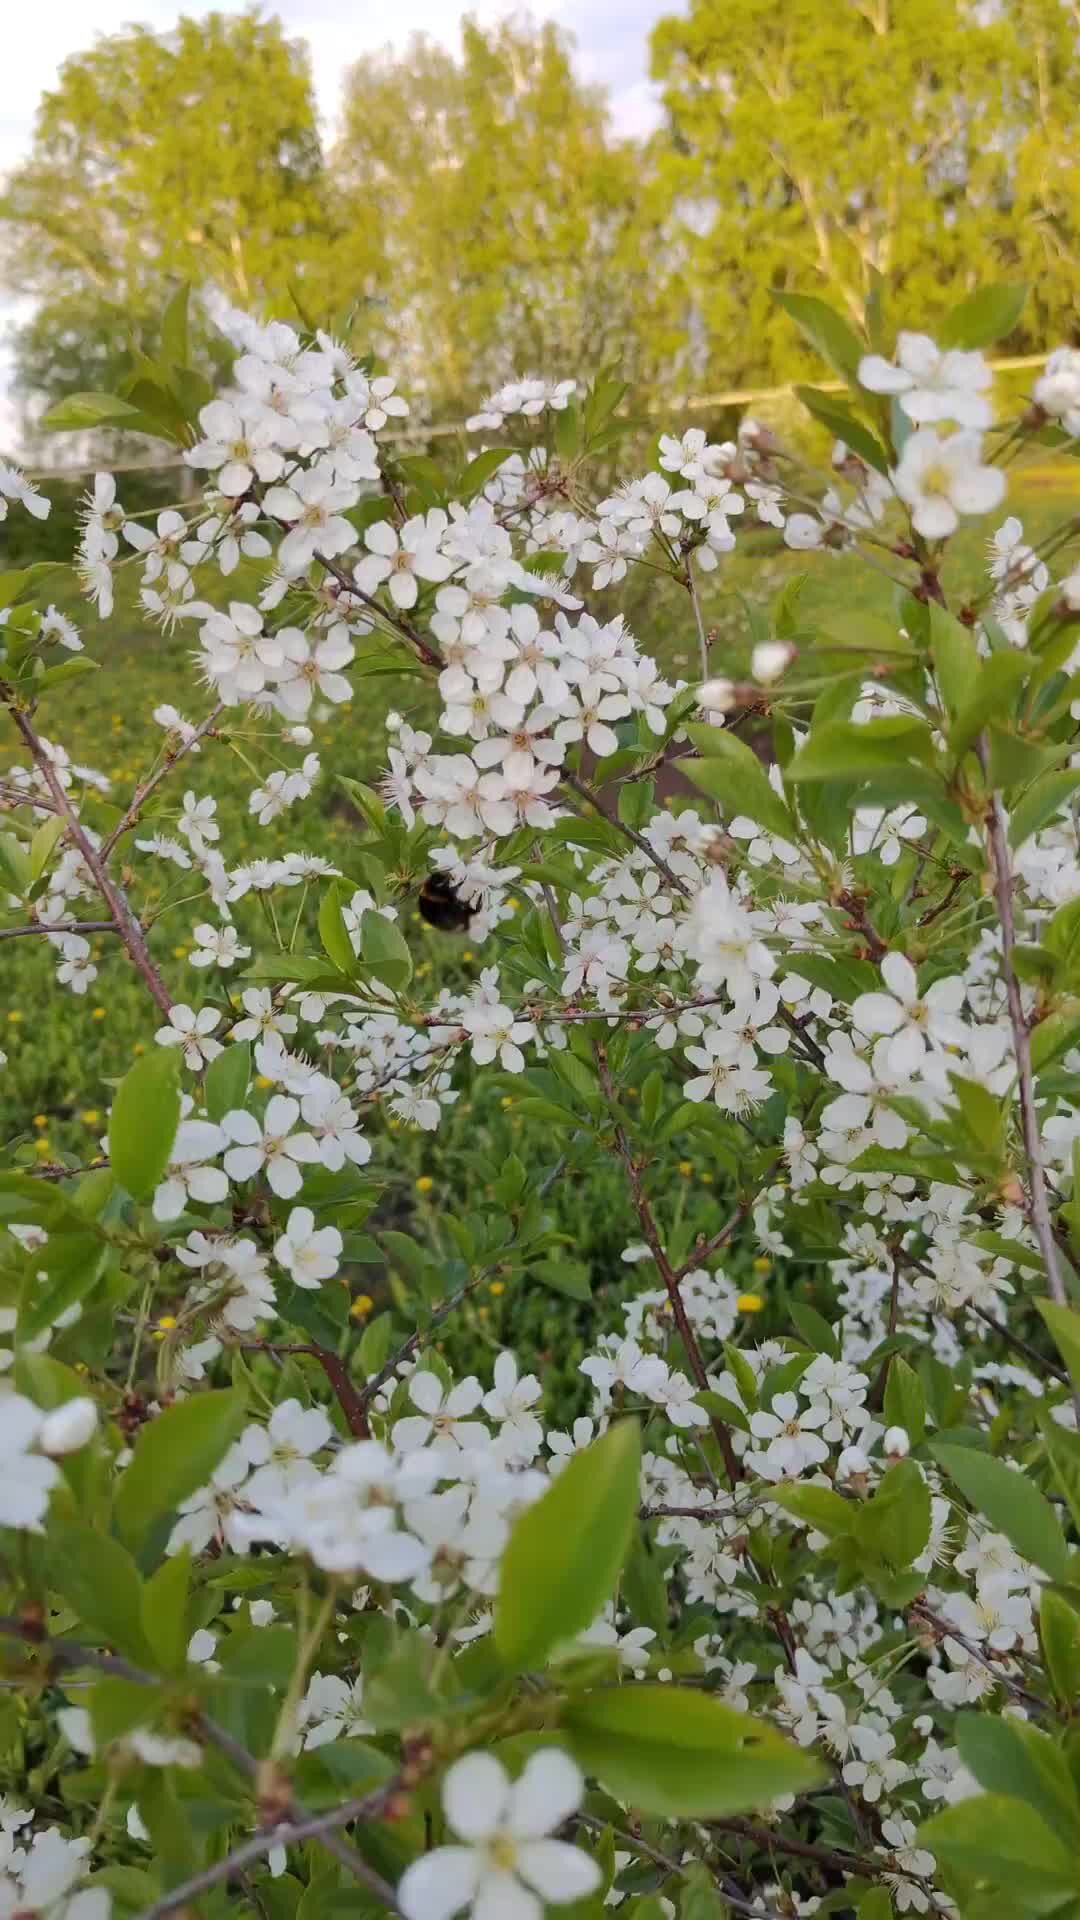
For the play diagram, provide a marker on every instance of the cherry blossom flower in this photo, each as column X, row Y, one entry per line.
column 505, row 1866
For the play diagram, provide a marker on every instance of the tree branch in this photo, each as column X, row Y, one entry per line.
column 286, row 1833
column 1038, row 1206
column 349, row 1399
column 65, row 1656
column 588, row 793
column 670, row 1278
column 127, row 926
column 70, row 926
column 146, row 787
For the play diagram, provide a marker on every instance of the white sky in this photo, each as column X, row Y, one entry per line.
column 611, row 35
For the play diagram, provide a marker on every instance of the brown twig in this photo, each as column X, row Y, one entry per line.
column 582, row 787
column 944, row 1630
column 349, row 1399
column 734, row 1899
column 1037, row 1201
column 317, row 1826
column 70, row 926
column 146, row 787
column 670, row 1278
column 127, row 925
column 705, row 1249
column 64, row 1656
column 934, row 913
column 1014, row 1341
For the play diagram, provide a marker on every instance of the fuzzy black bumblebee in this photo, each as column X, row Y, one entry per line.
column 442, row 906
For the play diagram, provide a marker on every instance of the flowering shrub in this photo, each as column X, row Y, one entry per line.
column 781, row 1627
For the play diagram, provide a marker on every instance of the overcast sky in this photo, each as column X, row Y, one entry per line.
column 611, row 36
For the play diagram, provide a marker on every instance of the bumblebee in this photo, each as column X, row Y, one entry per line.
column 442, row 906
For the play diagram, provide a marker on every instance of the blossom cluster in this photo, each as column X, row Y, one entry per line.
column 842, row 958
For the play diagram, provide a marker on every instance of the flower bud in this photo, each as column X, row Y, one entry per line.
column 716, row 696
column 69, row 1427
column 896, row 1443
column 769, row 660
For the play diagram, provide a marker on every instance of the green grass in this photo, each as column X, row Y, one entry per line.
column 63, row 1052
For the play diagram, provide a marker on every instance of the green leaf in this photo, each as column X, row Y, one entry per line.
column 817, row 1507
column 994, row 1838
column 568, row 1277
column 117, row 1705
column 842, row 751
column 954, row 655
column 732, row 773
column 42, row 844
column 174, row 329
column 480, row 470
column 843, row 426
column 1009, row 1500
column 1064, row 1326
column 226, row 1080
column 1020, row 1761
column 826, row 331
column 905, row 1403
column 164, row 1611
column 992, row 696
column 82, row 410
column 1041, row 802
column 259, row 1656
column 20, row 582
column 333, row 932
column 984, row 317
column 1059, row 1634
column 72, row 1264
column 701, row 1899
column 814, row 1328
column 99, row 1579
column 15, row 865
column 675, row 1751
column 895, row 1524
column 565, row 1553
column 1063, row 1452
column 143, row 1122
column 385, row 950
column 174, row 1455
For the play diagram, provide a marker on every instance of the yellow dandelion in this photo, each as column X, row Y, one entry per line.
column 361, row 1305
column 749, row 1303
column 424, row 1183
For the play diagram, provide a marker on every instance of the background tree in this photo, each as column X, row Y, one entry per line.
column 190, row 155
column 502, row 212
column 925, row 141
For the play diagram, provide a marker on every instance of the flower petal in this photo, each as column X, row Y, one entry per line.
column 549, row 1790
column 474, row 1796
column 558, row 1871
column 439, row 1883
